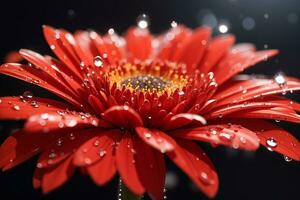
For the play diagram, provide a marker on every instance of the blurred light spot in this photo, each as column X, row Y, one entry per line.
column 223, row 28
column 71, row 13
column 207, row 18
column 143, row 21
column 293, row 18
column 266, row 16
column 248, row 23
column 266, row 46
column 171, row 180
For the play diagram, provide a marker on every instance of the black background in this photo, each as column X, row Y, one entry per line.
column 243, row 175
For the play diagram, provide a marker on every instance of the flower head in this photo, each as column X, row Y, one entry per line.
column 128, row 101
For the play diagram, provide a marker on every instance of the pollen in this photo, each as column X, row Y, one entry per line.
column 148, row 77
column 146, row 82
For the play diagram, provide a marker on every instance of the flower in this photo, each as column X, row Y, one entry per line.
column 129, row 101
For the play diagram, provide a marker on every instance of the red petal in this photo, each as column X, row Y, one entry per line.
column 37, row 77
column 194, row 162
column 276, row 113
column 127, row 167
column 238, row 62
column 239, row 91
column 220, row 134
column 96, row 148
column 60, row 43
column 63, row 146
column 22, row 107
column 57, row 121
column 37, row 178
column 193, row 49
column 138, row 43
column 172, row 40
column 244, row 107
column 285, row 143
column 122, row 116
column 104, row 170
column 57, row 176
column 215, row 51
column 151, row 169
column 21, row 146
column 183, row 119
column 156, row 139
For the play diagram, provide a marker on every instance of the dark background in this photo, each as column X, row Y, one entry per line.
column 243, row 175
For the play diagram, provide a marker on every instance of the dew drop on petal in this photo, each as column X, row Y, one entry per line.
column 143, row 21
column 174, row 24
column 98, row 62
column 243, row 140
column 225, row 136
column 287, row 159
column 147, row 135
column 59, row 142
column 96, row 143
column 28, row 95
column 102, row 153
column 72, row 136
column 204, row 178
column 271, row 142
column 52, row 155
column 44, row 116
column 39, row 165
column 70, row 122
column 16, row 107
column 34, row 104
column 280, row 79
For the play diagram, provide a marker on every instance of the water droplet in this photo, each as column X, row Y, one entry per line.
column 243, row 140
column 174, row 24
column 59, row 142
column 98, row 62
column 102, row 153
column 287, row 159
column 39, row 165
column 61, row 124
column 72, row 136
column 44, row 116
column 204, row 178
column 280, row 79
column 70, row 122
column 52, row 46
column 16, row 107
column 277, row 120
column 143, row 21
column 52, row 155
column 28, row 95
column 181, row 93
column 225, row 136
column 111, row 31
column 147, row 135
column 96, row 143
column 34, row 104
column 271, row 142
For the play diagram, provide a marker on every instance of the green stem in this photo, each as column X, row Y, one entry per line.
column 126, row 194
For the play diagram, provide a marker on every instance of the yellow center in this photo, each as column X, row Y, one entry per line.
column 147, row 79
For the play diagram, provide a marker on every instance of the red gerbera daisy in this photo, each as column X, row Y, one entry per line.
column 130, row 101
